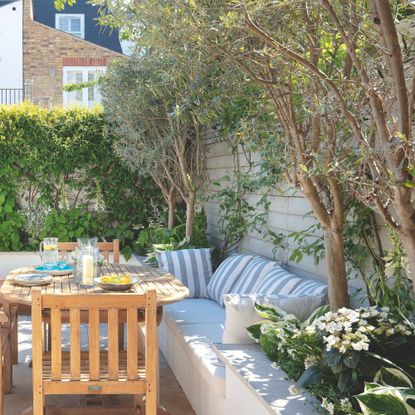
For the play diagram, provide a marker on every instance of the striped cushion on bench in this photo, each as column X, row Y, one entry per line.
column 226, row 276
column 193, row 267
column 254, row 272
column 309, row 287
column 277, row 281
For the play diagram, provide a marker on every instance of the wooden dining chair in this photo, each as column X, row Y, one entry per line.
column 105, row 247
column 98, row 371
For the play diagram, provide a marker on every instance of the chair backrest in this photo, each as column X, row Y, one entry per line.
column 105, row 247
column 81, row 375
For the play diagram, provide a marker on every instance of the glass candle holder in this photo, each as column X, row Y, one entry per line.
column 87, row 267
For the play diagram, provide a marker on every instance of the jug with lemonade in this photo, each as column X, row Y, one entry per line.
column 49, row 254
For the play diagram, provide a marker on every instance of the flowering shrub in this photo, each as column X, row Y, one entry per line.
column 334, row 353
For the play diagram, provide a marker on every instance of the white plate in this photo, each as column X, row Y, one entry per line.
column 32, row 280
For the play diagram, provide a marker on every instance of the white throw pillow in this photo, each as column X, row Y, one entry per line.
column 241, row 313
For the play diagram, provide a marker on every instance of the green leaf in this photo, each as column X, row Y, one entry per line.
column 255, row 330
column 268, row 313
column 389, row 376
column 351, row 360
column 310, row 376
column 383, row 401
column 127, row 252
column 334, row 360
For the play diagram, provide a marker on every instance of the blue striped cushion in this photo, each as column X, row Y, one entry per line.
column 226, row 276
column 309, row 287
column 254, row 271
column 193, row 267
column 277, row 281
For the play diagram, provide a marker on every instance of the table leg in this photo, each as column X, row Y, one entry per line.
column 14, row 339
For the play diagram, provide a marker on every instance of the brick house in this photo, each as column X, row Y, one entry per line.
column 63, row 47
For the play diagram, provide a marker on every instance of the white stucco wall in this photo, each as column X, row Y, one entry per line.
column 11, row 44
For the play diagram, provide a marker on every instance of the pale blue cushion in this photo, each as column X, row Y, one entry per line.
column 254, row 272
column 226, row 276
column 193, row 267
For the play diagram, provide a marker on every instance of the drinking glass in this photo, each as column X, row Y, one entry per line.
column 48, row 250
column 63, row 260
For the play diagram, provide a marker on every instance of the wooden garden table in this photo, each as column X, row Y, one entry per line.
column 169, row 289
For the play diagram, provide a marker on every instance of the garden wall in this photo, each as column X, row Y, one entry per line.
column 288, row 213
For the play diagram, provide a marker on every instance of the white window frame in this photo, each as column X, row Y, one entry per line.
column 84, row 70
column 81, row 17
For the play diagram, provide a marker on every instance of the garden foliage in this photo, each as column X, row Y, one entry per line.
column 338, row 355
column 59, row 177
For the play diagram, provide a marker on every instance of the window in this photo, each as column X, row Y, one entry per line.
column 86, row 97
column 73, row 24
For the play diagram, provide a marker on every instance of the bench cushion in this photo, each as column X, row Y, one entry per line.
column 226, row 276
column 254, row 271
column 193, row 267
column 194, row 310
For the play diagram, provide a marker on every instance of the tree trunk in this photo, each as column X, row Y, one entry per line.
column 190, row 213
column 336, row 268
column 171, row 203
column 408, row 241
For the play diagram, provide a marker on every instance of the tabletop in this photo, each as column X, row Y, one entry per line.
column 169, row 289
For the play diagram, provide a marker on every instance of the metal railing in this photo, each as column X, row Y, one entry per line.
column 11, row 96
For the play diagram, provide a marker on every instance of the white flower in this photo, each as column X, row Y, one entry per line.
column 342, row 349
column 390, row 331
column 328, row 406
column 310, row 361
column 346, row 405
column 310, row 330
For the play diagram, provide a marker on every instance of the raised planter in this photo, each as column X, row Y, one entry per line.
column 254, row 386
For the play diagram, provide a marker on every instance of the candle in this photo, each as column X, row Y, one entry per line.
column 87, row 270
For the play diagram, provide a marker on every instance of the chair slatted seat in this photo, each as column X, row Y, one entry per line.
column 99, row 370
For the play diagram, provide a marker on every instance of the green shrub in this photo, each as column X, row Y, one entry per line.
column 63, row 159
column 335, row 354
column 159, row 238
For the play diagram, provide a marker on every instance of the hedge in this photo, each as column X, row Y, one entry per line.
column 63, row 159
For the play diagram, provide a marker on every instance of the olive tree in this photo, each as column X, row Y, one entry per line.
column 375, row 94
column 159, row 134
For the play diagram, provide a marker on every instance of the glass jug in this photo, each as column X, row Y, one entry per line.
column 48, row 250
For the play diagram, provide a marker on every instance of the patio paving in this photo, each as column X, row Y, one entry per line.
column 172, row 397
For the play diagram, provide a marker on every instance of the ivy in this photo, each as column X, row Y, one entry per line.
column 63, row 160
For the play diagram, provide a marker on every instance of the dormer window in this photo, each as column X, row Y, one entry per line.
column 73, row 24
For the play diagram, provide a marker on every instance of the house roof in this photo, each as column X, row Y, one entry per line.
column 4, row 2
column 44, row 12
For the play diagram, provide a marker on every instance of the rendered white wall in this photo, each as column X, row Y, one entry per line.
column 288, row 213
column 11, row 45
